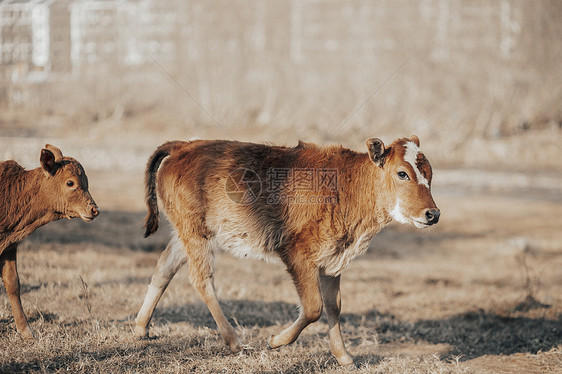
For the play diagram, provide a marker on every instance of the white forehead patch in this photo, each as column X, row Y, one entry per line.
column 410, row 156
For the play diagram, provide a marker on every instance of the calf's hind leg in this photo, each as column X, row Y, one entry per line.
column 8, row 264
column 170, row 261
column 201, row 276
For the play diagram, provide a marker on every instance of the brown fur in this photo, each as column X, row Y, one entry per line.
column 32, row 198
column 316, row 232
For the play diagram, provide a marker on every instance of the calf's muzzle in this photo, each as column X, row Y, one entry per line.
column 432, row 216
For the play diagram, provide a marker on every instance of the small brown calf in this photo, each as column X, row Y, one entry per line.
column 30, row 199
column 315, row 208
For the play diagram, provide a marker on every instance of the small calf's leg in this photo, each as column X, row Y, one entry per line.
column 11, row 280
column 170, row 261
column 330, row 288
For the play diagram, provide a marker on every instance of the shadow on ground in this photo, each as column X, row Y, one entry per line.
column 114, row 229
column 471, row 334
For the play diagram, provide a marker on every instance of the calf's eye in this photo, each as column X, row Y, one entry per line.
column 403, row 175
column 70, row 183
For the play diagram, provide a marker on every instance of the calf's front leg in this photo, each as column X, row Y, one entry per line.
column 8, row 264
column 305, row 277
column 331, row 296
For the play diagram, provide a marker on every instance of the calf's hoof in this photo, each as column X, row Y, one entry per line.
column 234, row 345
column 27, row 334
column 348, row 364
column 275, row 341
column 141, row 333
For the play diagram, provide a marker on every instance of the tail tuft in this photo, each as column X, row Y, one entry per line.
column 151, row 223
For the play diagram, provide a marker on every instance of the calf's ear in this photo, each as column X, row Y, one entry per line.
column 415, row 139
column 48, row 162
column 55, row 151
column 375, row 147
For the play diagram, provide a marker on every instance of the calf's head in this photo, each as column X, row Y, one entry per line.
column 66, row 185
column 407, row 175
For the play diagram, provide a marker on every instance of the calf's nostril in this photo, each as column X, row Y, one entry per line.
column 432, row 215
column 95, row 211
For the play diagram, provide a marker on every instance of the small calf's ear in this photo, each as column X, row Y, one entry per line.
column 376, row 151
column 415, row 139
column 57, row 152
column 48, row 161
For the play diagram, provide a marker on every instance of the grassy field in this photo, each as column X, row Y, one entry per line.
column 480, row 292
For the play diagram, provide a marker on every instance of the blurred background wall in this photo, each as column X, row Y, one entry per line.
column 476, row 80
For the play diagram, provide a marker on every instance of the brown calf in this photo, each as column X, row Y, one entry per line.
column 31, row 198
column 314, row 208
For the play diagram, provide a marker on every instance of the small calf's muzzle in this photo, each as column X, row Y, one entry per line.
column 91, row 212
column 95, row 211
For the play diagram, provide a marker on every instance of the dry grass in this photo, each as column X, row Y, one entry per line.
column 450, row 300
column 478, row 293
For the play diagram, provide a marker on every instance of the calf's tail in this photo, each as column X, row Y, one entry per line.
column 151, row 198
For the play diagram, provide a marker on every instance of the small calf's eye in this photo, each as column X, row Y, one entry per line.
column 70, row 183
column 403, row 175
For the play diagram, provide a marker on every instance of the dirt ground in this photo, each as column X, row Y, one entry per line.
column 480, row 292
